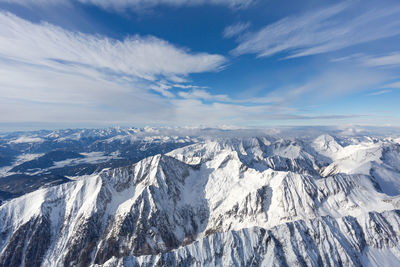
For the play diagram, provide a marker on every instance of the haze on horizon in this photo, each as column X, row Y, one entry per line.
column 100, row 63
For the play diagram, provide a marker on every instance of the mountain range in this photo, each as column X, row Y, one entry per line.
column 134, row 197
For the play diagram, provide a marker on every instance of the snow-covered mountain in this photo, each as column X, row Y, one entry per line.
column 237, row 201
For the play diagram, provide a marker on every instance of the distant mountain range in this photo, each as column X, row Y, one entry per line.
column 29, row 160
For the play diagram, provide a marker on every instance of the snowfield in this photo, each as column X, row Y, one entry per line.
column 240, row 201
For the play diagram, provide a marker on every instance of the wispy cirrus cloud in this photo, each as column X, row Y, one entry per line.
column 202, row 94
column 235, row 29
column 119, row 5
column 392, row 59
column 143, row 57
column 393, row 85
column 380, row 92
column 139, row 4
column 330, row 85
column 194, row 112
column 332, row 28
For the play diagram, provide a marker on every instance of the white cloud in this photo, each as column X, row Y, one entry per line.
column 393, row 85
column 332, row 28
column 329, row 85
column 202, row 94
column 189, row 86
column 381, row 92
column 236, row 29
column 387, row 60
column 193, row 112
column 52, row 75
column 162, row 88
column 35, row 94
column 143, row 57
column 49, row 74
column 136, row 4
column 35, row 2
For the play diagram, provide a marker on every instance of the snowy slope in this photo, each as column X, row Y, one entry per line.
column 234, row 201
column 370, row 240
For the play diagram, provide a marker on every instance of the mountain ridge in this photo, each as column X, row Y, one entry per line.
column 165, row 203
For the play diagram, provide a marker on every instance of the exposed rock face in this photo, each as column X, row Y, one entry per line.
column 323, row 241
column 240, row 202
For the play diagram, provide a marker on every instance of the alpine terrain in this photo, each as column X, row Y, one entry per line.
column 261, row 200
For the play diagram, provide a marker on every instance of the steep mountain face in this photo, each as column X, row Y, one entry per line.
column 262, row 201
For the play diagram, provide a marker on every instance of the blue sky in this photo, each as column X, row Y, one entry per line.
column 95, row 63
